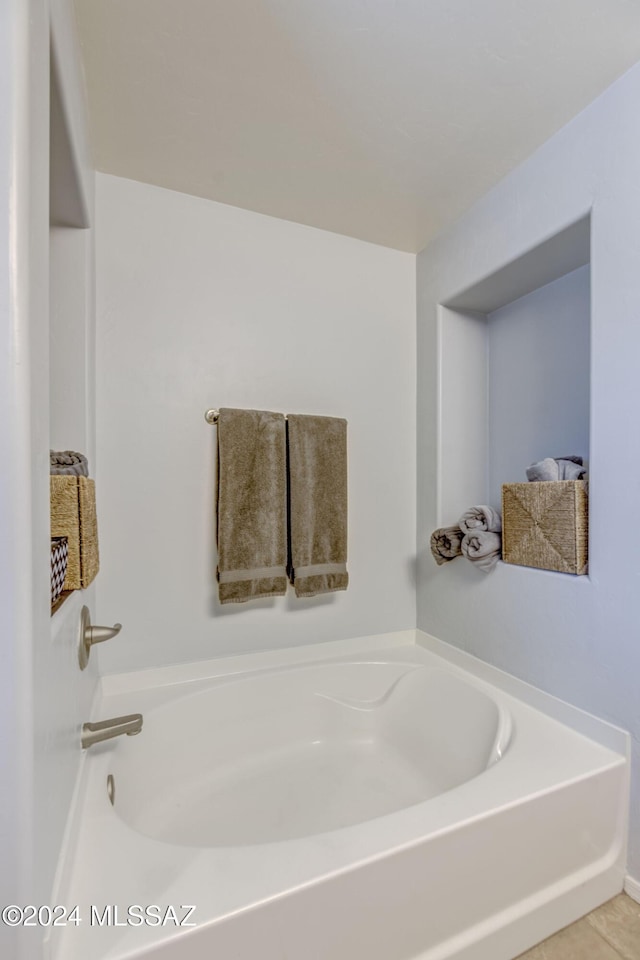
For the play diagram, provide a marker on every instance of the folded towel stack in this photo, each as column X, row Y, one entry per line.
column 68, row 463
column 446, row 544
column 482, row 542
column 559, row 468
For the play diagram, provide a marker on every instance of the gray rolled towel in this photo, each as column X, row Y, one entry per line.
column 483, row 548
column 68, row 463
column 480, row 518
column 445, row 544
column 556, row 468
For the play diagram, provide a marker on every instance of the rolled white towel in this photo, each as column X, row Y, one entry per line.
column 445, row 544
column 480, row 518
column 483, row 548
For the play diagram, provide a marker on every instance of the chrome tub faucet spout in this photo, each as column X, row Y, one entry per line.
column 92, row 733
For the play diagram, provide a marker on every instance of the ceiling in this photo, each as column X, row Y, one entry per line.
column 379, row 119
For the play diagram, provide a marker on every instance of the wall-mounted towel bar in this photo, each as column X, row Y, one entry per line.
column 211, row 416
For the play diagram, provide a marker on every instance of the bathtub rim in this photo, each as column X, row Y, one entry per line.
column 201, row 672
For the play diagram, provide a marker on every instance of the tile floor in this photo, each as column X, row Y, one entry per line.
column 612, row 932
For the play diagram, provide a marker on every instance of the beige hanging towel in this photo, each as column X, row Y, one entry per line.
column 318, row 504
column 252, row 505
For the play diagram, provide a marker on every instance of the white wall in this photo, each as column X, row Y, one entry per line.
column 70, row 341
column 43, row 696
column 16, row 740
column 65, row 412
column 205, row 305
column 576, row 637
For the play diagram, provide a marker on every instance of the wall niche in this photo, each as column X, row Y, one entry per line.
column 71, row 348
column 70, row 294
column 514, row 371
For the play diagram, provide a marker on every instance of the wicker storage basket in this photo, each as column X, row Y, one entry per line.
column 546, row 525
column 73, row 515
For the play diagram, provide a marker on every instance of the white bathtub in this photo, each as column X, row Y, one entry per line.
column 379, row 803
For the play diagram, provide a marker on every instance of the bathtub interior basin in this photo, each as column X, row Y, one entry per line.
column 382, row 798
column 305, row 751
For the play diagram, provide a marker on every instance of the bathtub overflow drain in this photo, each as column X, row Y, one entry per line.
column 111, row 788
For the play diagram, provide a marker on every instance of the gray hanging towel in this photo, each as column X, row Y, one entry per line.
column 252, row 505
column 318, row 504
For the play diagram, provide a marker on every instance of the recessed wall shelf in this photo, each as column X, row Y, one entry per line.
column 70, row 295
column 514, row 364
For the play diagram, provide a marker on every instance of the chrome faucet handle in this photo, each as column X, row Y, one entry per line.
column 90, row 635
column 100, row 634
column 92, row 733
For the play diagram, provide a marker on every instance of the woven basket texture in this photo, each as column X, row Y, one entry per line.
column 546, row 525
column 73, row 515
column 59, row 554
